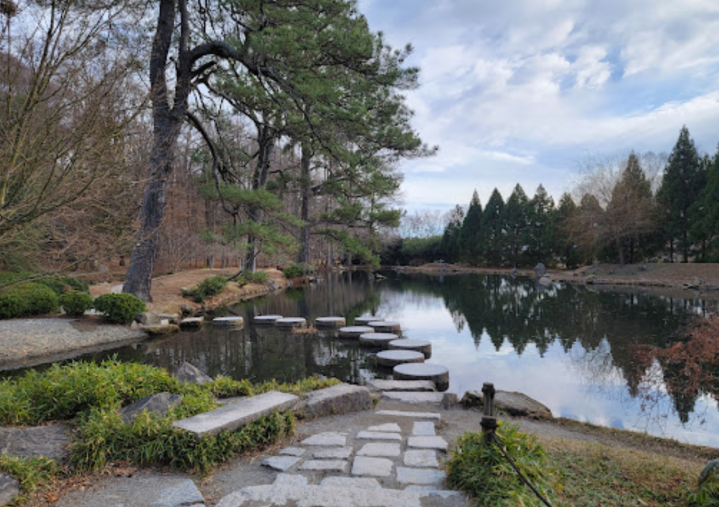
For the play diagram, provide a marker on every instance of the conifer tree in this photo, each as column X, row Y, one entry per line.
column 471, row 238
column 564, row 244
column 516, row 219
column 542, row 229
column 450, row 244
column 705, row 227
column 494, row 227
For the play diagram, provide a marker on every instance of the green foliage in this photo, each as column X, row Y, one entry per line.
column 26, row 299
column 296, row 269
column 119, row 308
column 75, row 303
column 707, row 494
column 61, row 283
column 258, row 277
column 209, row 287
column 485, row 474
column 31, row 473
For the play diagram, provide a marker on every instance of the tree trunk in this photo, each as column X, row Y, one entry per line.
column 306, row 197
column 266, row 141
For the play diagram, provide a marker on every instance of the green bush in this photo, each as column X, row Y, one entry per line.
column 208, row 287
column 294, row 270
column 61, row 284
column 31, row 473
column 26, row 299
column 119, row 308
column 75, row 303
column 707, row 494
column 259, row 277
column 483, row 472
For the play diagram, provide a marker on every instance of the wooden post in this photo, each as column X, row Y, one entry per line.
column 489, row 422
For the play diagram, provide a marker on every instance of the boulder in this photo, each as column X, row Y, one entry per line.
column 156, row 404
column 48, row 441
column 161, row 330
column 710, row 469
column 338, row 399
column 189, row 373
column 148, row 319
column 513, row 403
column 9, row 489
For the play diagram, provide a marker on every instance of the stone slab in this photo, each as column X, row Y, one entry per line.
column 9, row 488
column 378, row 435
column 161, row 329
column 290, row 480
column 423, row 429
column 330, row 321
column 401, row 385
column 191, row 322
column 438, row 443
column 339, row 399
column 187, row 372
column 422, row 458
column 385, row 326
column 514, row 403
column 433, row 491
column 408, row 397
column 291, row 322
column 228, row 321
column 157, row 404
column 50, row 441
column 423, row 371
column 328, row 439
column 386, row 427
column 354, row 331
column 423, row 346
column 391, row 358
column 235, row 415
column 350, row 482
column 292, row 451
column 433, row 416
column 419, row 476
column 324, row 465
column 281, row 463
column 372, row 467
column 383, row 450
column 377, row 340
column 333, row 453
column 183, row 494
column 266, row 319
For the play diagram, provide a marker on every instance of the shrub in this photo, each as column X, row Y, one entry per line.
column 119, row 308
column 25, row 299
column 61, row 284
column 483, row 472
column 208, row 287
column 294, row 270
column 259, row 277
column 31, row 473
column 75, row 303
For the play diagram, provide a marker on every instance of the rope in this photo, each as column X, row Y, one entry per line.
column 516, row 468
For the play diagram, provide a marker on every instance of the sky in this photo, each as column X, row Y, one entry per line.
column 528, row 91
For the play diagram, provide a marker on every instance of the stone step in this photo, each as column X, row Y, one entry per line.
column 401, row 385
column 411, row 397
column 235, row 415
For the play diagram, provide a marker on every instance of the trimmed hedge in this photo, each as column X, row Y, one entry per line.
column 119, row 308
column 27, row 299
column 76, row 303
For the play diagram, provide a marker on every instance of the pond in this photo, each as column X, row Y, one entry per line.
column 580, row 351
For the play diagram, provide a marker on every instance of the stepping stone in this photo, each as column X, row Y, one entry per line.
column 421, row 458
column 161, row 329
column 326, row 465
column 418, row 415
column 385, row 326
column 291, row 322
column 419, row 476
column 354, row 331
column 373, row 467
column 434, row 372
column 433, row 491
column 427, row 443
column 330, row 322
column 377, row 340
column 414, row 397
column 378, row 435
column 350, row 482
column 423, row 429
column 392, row 358
column 292, row 451
column 235, row 415
column 401, row 385
column 365, row 320
column 386, row 427
column 281, row 463
column 422, row 346
column 333, row 453
column 380, row 450
column 327, row 439
column 290, row 480
column 267, row 319
column 338, row 399
column 229, row 321
column 191, row 322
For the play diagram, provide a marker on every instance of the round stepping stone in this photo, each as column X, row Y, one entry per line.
column 384, row 326
column 330, row 321
column 191, row 322
column 363, row 321
column 423, row 371
column 267, row 319
column 392, row 358
column 293, row 322
column 229, row 321
column 354, row 331
column 379, row 340
column 422, row 346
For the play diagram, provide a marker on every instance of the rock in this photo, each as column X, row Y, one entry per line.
column 161, row 330
column 423, row 371
column 48, row 441
column 267, row 319
column 354, row 331
column 280, row 463
column 291, row 322
column 384, row 326
column 540, row 270
column 192, row 322
column 189, row 373
column 156, row 404
column 186, row 310
column 9, row 488
column 423, row 429
column 425, row 458
column 515, row 404
column 423, row 346
column 590, row 280
column 383, row 450
column 148, row 319
column 330, row 322
column 327, row 439
column 419, row 476
column 172, row 318
column 339, row 399
column 401, row 385
column 333, row 453
column 184, row 494
column 377, row 340
column 325, row 465
column 427, row 442
column 710, row 469
column 373, row 467
column 228, row 321
column 378, row 435
column 449, row 400
column 387, row 427
column 391, row 358
column 545, row 281
column 414, row 397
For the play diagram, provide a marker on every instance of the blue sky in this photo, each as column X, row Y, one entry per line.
column 526, row 91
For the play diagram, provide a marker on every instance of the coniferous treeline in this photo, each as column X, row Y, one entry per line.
column 618, row 217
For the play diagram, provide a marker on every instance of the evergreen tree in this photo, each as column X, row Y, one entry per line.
column 516, row 219
column 681, row 186
column 542, row 229
column 564, row 243
column 705, row 228
column 493, row 227
column 471, row 235
column 450, row 244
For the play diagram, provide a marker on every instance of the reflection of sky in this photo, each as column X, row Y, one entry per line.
column 579, row 384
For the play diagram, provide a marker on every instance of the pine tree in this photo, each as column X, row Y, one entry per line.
column 517, row 223
column 542, row 229
column 493, row 225
column 450, row 244
column 705, row 227
column 471, row 239
column 564, row 243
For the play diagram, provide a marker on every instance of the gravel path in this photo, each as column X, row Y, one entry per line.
column 28, row 342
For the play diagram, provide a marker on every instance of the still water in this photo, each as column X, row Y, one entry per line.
column 574, row 349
